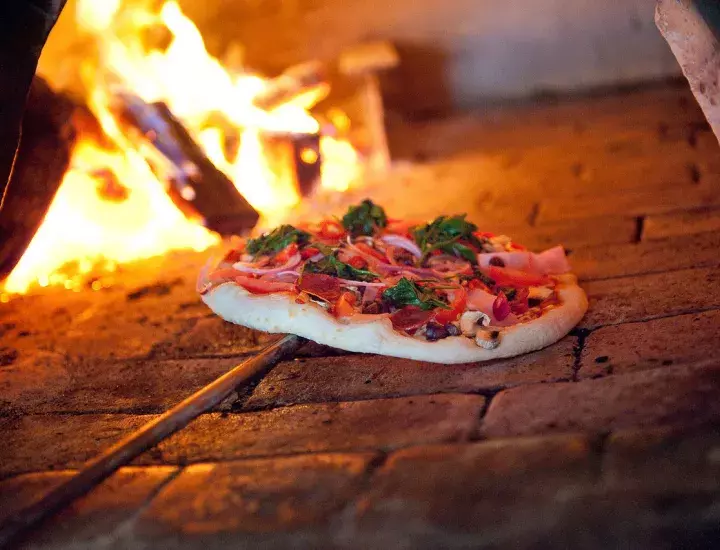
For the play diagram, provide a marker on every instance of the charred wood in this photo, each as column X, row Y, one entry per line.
column 196, row 186
column 43, row 157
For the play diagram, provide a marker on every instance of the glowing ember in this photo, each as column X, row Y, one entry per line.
column 110, row 207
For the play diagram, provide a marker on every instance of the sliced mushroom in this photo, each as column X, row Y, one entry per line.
column 487, row 338
column 471, row 320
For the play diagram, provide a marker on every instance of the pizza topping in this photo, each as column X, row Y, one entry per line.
column 289, row 264
column 364, row 219
column 501, row 307
column 404, row 243
column 471, row 320
column 409, row 319
column 407, row 293
column 277, row 240
column 261, row 286
column 320, row 285
column 452, row 235
column 487, row 338
column 330, row 265
column 434, row 280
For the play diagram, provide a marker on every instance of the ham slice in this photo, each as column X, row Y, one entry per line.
column 551, row 261
column 481, row 300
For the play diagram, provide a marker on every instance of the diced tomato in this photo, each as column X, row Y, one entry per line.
column 504, row 276
column 262, row 286
column 344, row 305
column 309, row 252
column 515, row 246
column 357, row 262
column 444, row 316
column 331, row 229
column 323, row 286
column 371, row 251
column 410, row 318
column 484, row 234
column 286, row 253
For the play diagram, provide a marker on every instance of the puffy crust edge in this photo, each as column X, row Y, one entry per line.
column 279, row 313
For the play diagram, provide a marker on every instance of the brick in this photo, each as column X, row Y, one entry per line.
column 29, row 377
column 627, row 299
column 602, row 262
column 630, row 203
column 671, row 458
column 675, row 395
column 684, row 222
column 632, row 347
column 483, row 488
column 99, row 516
column 18, row 492
column 254, row 497
column 213, row 336
column 362, row 425
column 36, row 443
column 124, row 386
column 573, row 234
column 355, row 377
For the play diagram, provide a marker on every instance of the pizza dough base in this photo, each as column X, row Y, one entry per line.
column 279, row 313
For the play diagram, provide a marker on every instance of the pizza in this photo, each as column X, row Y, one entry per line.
column 442, row 291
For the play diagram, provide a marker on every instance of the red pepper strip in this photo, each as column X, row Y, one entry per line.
column 331, row 229
column 309, row 252
column 323, row 286
column 284, row 255
column 410, row 318
column 504, row 276
column 371, row 251
column 357, row 262
column 445, row 316
column 262, row 286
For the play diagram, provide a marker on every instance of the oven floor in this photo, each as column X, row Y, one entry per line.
column 611, row 438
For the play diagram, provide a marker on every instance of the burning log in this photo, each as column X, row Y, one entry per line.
column 303, row 84
column 365, row 61
column 196, row 186
column 43, row 157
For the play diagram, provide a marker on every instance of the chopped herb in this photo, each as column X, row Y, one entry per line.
column 330, row 265
column 408, row 293
column 477, row 274
column 277, row 239
column 364, row 219
column 443, row 233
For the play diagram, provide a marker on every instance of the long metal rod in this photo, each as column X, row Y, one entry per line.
column 125, row 450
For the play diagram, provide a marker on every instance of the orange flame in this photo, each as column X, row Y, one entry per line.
column 83, row 227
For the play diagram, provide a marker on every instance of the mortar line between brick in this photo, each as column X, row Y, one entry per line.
column 651, row 318
column 652, row 272
column 581, row 335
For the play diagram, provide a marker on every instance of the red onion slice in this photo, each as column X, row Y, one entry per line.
column 284, row 276
column 251, row 268
column 403, row 242
column 360, row 283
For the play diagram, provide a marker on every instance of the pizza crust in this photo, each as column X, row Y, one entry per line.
column 279, row 313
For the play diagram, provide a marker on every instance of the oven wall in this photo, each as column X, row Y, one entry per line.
column 457, row 53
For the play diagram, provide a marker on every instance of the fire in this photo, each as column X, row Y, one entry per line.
column 86, row 227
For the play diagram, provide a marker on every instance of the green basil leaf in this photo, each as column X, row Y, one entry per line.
column 407, row 293
column 277, row 240
column 364, row 219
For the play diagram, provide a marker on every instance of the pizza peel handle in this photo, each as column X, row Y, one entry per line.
column 125, row 450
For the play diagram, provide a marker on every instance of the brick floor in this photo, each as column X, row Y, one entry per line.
column 607, row 439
